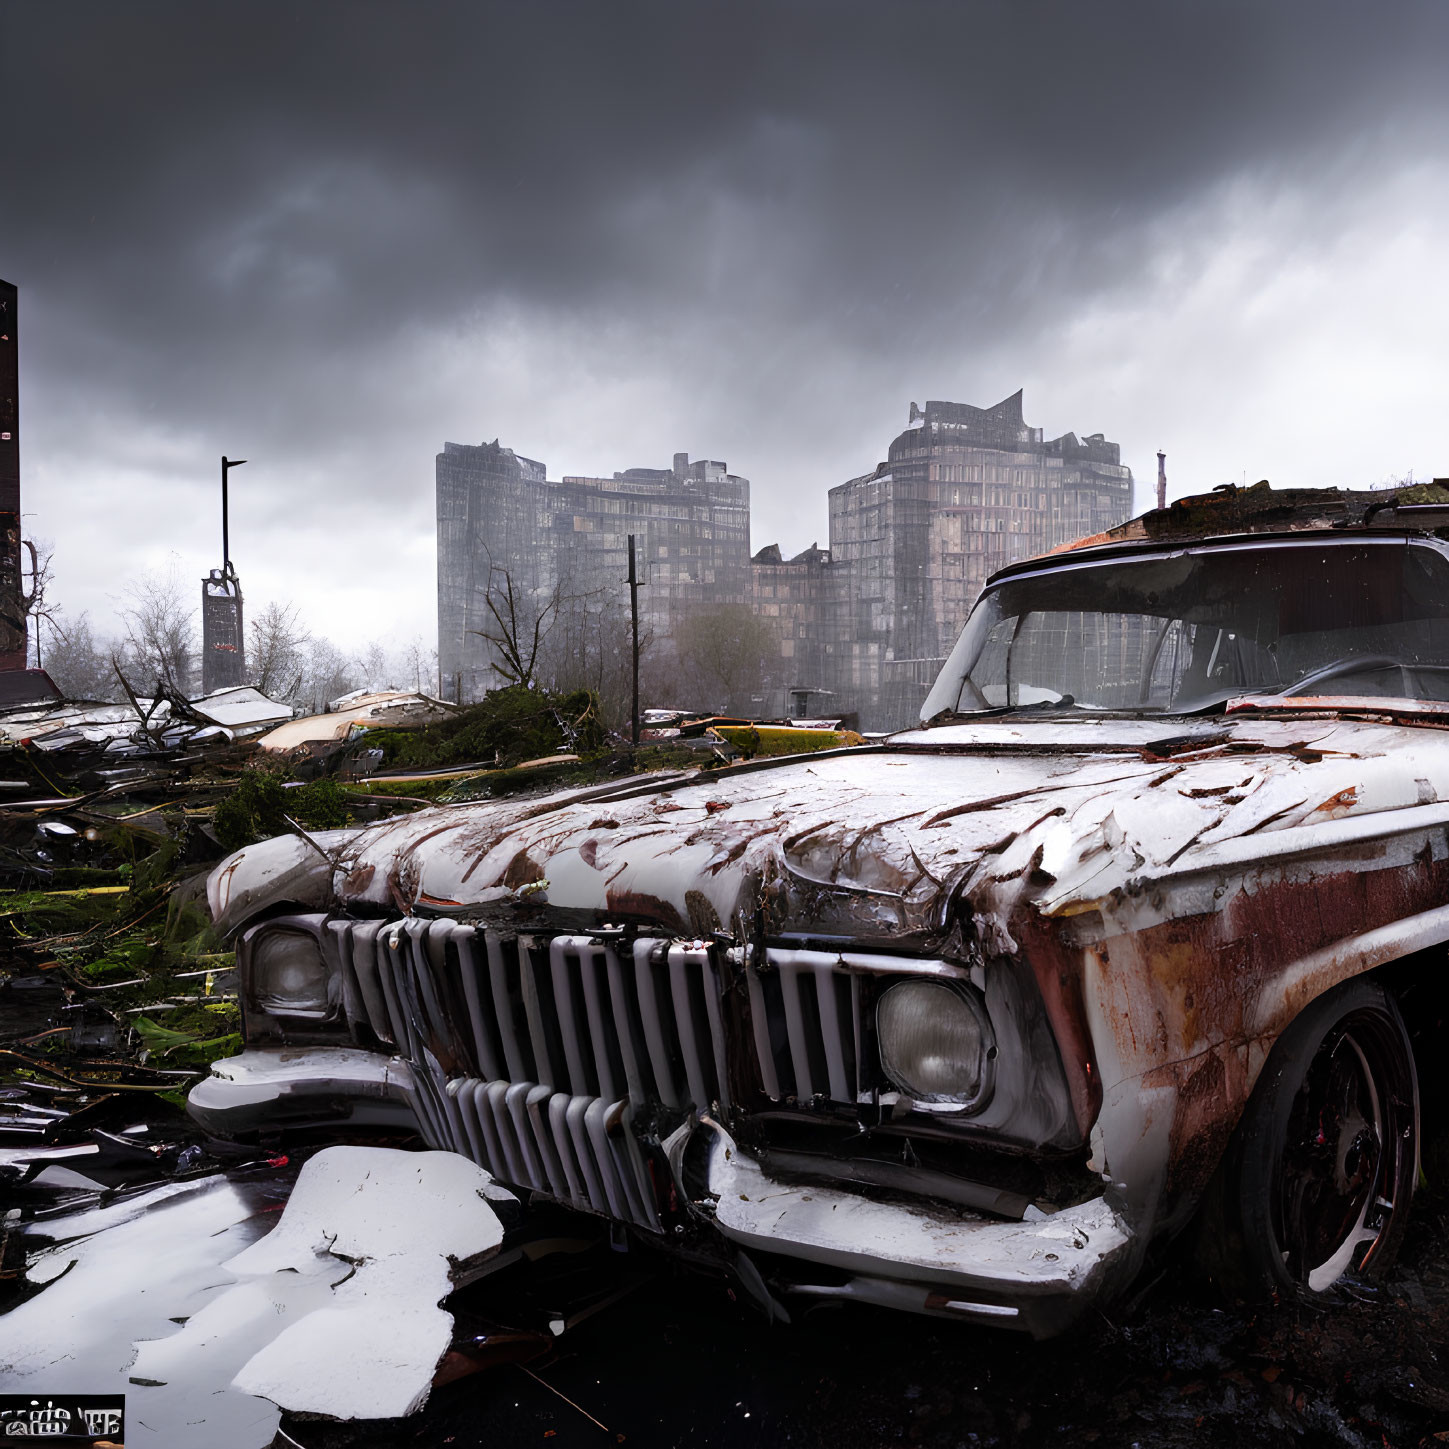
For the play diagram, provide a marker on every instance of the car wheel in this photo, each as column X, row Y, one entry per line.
column 1318, row 1183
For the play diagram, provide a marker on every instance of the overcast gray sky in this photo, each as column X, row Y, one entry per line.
column 328, row 236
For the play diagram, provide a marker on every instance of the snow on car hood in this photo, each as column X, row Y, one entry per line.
column 1054, row 815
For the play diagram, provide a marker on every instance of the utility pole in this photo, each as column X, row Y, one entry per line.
column 634, row 617
column 1161, row 479
column 12, row 604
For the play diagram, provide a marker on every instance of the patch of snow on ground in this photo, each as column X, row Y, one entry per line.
column 335, row 1311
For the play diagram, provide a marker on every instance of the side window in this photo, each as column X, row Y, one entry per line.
column 1172, row 639
column 989, row 673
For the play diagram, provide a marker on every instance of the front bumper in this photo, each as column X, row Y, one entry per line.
column 1036, row 1275
column 291, row 1087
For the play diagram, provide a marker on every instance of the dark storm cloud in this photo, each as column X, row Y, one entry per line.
column 323, row 173
column 240, row 212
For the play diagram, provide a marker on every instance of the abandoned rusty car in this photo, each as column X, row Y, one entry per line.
column 1138, row 931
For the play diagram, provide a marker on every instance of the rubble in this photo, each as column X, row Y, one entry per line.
column 241, row 709
column 115, row 988
column 124, row 729
column 387, row 709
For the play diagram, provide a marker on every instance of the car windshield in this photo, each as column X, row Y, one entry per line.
column 1183, row 631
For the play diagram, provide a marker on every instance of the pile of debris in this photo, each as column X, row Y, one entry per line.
column 354, row 714
column 114, row 991
column 112, row 983
column 164, row 722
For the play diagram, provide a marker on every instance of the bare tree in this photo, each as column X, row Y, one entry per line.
column 329, row 674
column 420, row 665
column 591, row 647
column 725, row 653
column 37, row 602
column 160, row 625
column 79, row 664
column 519, row 626
column 275, row 658
column 376, row 665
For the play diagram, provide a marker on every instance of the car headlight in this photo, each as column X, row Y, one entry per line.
column 288, row 974
column 936, row 1043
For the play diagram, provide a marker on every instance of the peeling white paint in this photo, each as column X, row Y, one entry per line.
column 1084, row 805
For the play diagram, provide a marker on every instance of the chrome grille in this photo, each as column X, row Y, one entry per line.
column 805, row 1010
column 534, row 1055
column 805, row 1013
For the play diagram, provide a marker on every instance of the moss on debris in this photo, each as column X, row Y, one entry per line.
column 507, row 727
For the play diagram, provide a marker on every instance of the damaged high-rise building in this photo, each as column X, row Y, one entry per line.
column 963, row 491
column 861, row 626
column 507, row 533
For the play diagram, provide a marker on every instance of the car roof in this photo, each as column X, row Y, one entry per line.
column 1234, row 516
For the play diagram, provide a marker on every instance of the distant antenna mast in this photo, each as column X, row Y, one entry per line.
column 228, row 464
column 1161, row 479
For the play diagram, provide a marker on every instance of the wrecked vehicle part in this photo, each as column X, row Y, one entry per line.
column 268, row 1089
column 1023, row 1275
column 1120, row 907
column 367, row 1342
column 566, row 1067
column 293, row 873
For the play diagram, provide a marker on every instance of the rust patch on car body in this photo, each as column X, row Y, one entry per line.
column 522, row 870
column 641, row 906
column 358, row 879
column 1193, row 1002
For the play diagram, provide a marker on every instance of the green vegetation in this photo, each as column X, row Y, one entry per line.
column 186, row 1048
column 507, row 727
column 32, row 914
column 257, row 808
column 142, row 946
column 403, row 790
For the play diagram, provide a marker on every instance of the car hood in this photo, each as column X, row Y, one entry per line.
column 1050, row 816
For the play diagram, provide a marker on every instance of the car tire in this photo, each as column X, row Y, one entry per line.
column 1317, row 1183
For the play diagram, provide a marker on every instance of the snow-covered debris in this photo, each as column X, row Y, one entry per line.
column 395, row 1224
column 335, row 1311
column 128, row 1272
